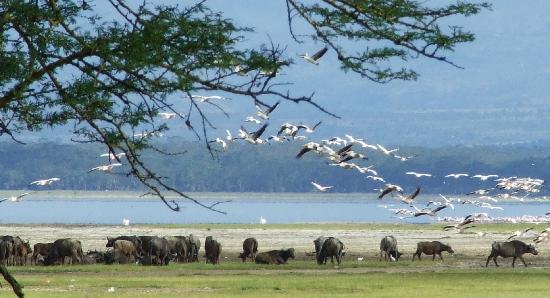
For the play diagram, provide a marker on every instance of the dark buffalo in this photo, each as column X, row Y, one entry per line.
column 276, row 257
column 134, row 239
column 318, row 245
column 332, row 247
column 432, row 248
column 514, row 249
column 177, row 245
column 250, row 248
column 62, row 248
column 125, row 251
column 159, row 251
column 145, row 241
column 21, row 249
column 212, row 249
column 194, row 248
column 40, row 249
column 6, row 249
column 94, row 257
column 388, row 248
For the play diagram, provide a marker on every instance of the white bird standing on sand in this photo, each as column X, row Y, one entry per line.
column 125, row 222
column 314, row 59
column 15, row 198
column 419, row 175
column 105, row 168
column 44, row 182
column 321, row 188
column 263, row 221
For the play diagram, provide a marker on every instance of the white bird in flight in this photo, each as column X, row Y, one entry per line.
column 113, row 156
column 105, row 168
column 203, row 98
column 386, row 151
column 314, row 59
column 419, row 175
column 320, row 187
column 44, row 182
column 15, row 198
column 456, row 176
column 167, row 116
column 252, row 119
column 484, row 177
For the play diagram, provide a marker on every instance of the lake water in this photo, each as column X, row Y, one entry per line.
column 96, row 208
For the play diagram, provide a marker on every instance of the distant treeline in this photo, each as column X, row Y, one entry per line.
column 267, row 168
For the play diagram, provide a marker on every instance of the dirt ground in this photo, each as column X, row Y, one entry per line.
column 363, row 243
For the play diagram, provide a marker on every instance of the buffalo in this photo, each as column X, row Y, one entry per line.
column 332, row 247
column 194, row 248
column 125, row 251
column 159, row 251
column 388, row 248
column 507, row 249
column 6, row 248
column 134, row 239
column 275, row 256
column 432, row 248
column 250, row 248
column 212, row 250
column 21, row 249
column 318, row 245
column 40, row 249
column 145, row 244
column 62, row 248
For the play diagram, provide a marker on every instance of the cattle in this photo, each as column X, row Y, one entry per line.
column 66, row 247
column 332, row 247
column 159, row 253
column 125, row 251
column 250, row 248
column 6, row 248
column 507, row 249
column 177, row 246
column 194, row 248
column 40, row 249
column 388, row 248
column 276, row 257
column 212, row 249
column 318, row 245
column 21, row 249
column 134, row 239
column 432, row 248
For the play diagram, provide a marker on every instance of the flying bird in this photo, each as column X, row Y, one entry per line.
column 314, row 59
column 431, row 212
column 167, row 116
column 419, row 175
column 264, row 114
column 519, row 234
column 321, row 188
column 44, row 182
column 17, row 198
column 254, row 137
column 105, row 168
column 456, row 176
column 484, row 177
column 390, row 188
column 408, row 199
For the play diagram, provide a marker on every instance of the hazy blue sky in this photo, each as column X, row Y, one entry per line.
column 499, row 97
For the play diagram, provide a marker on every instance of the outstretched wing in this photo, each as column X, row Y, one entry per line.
column 319, row 54
column 414, row 194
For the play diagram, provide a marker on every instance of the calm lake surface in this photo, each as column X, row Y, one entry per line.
column 111, row 208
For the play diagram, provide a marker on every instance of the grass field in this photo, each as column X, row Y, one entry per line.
column 300, row 278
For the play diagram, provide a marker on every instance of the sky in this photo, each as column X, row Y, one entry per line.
column 500, row 97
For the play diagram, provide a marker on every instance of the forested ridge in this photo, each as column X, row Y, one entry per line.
column 267, row 168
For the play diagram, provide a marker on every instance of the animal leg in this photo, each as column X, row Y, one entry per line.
column 521, row 258
column 495, row 260
column 488, row 259
column 433, row 257
column 440, row 256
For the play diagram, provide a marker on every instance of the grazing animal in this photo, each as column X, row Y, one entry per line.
column 159, row 251
column 507, row 249
column 319, row 244
column 432, row 248
column 250, row 248
column 388, row 247
column 6, row 248
column 194, row 248
column 125, row 251
column 21, row 249
column 40, row 249
column 275, row 257
column 61, row 248
column 145, row 244
column 212, row 249
column 134, row 239
column 332, row 247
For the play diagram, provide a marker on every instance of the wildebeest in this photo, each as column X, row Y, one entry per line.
column 275, row 256
column 125, row 251
column 212, row 250
column 134, row 239
column 40, row 249
column 250, row 248
column 514, row 249
column 66, row 247
column 388, row 248
column 332, row 247
column 431, row 248
column 194, row 248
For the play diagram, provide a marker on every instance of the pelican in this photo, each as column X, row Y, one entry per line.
column 306, row 148
column 265, row 114
column 431, row 212
column 45, row 181
column 386, row 151
column 376, row 178
column 16, row 198
column 408, row 199
column 484, row 177
column 221, row 142
column 125, row 222
column 202, row 98
column 307, row 128
column 253, row 138
column 111, row 290
column 314, row 59
column 167, row 116
column 113, row 156
column 263, row 221
column 252, row 119
column 390, row 188
column 456, row 176
column 105, row 168
column 361, row 142
column 419, row 175
column 278, row 139
column 321, row 188
column 519, row 233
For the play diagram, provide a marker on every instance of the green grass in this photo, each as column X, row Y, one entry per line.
column 303, row 279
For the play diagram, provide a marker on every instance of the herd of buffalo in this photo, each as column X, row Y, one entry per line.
column 152, row 250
